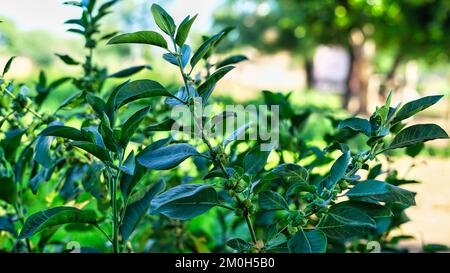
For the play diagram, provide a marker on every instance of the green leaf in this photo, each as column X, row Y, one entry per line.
column 7, row 66
column 67, row 59
column 64, row 132
column 270, row 200
column 167, row 157
column 232, row 60
column 343, row 223
column 42, row 153
column 183, row 30
column 92, row 183
column 55, row 217
column 255, row 160
column 129, row 71
column 312, row 241
column 97, row 104
column 147, row 37
column 207, row 87
column 239, row 245
column 8, row 190
column 291, row 173
column 165, row 125
column 416, row 134
column 131, row 125
column 338, row 170
column 6, row 224
column 383, row 192
column 236, row 135
column 185, row 201
column 204, row 49
column 129, row 164
column 93, row 149
column 276, row 241
column 415, row 106
column 138, row 90
column 163, row 20
column 137, row 208
column 356, row 124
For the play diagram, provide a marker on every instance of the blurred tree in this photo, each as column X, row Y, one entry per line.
column 408, row 28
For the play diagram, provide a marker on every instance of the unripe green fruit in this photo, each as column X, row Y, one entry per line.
column 240, row 187
column 292, row 230
column 247, row 203
column 343, row 185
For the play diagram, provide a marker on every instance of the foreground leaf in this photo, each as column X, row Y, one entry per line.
column 140, row 37
column 416, row 134
column 413, row 107
column 137, row 208
column 55, row 217
column 167, row 157
column 383, row 192
column 344, row 223
column 186, row 201
column 313, row 241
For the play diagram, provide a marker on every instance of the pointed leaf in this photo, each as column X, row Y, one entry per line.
column 270, row 200
column 167, row 157
column 163, row 20
column 186, row 201
column 140, row 37
column 417, row 134
column 55, row 217
column 313, row 241
column 413, row 107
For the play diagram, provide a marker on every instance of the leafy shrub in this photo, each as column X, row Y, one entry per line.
column 307, row 199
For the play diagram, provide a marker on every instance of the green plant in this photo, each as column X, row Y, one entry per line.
column 296, row 197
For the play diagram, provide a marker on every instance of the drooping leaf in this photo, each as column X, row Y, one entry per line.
column 270, row 200
column 64, row 132
column 356, row 124
column 165, row 125
column 129, row 164
column 312, row 241
column 130, row 126
column 167, row 157
column 55, row 217
column 343, row 223
column 413, row 107
column 92, row 183
column 185, row 201
column 185, row 55
column 93, row 149
column 183, row 30
column 137, row 208
column 383, row 192
column 147, row 37
column 163, row 20
column 417, row 134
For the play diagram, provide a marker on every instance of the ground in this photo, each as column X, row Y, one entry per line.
column 430, row 218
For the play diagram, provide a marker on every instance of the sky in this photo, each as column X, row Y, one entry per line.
column 50, row 14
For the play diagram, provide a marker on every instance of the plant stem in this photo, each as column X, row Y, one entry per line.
column 217, row 163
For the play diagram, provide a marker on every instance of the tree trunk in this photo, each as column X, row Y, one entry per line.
column 348, row 87
column 309, row 73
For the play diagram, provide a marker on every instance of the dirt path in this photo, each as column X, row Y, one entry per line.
column 430, row 219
